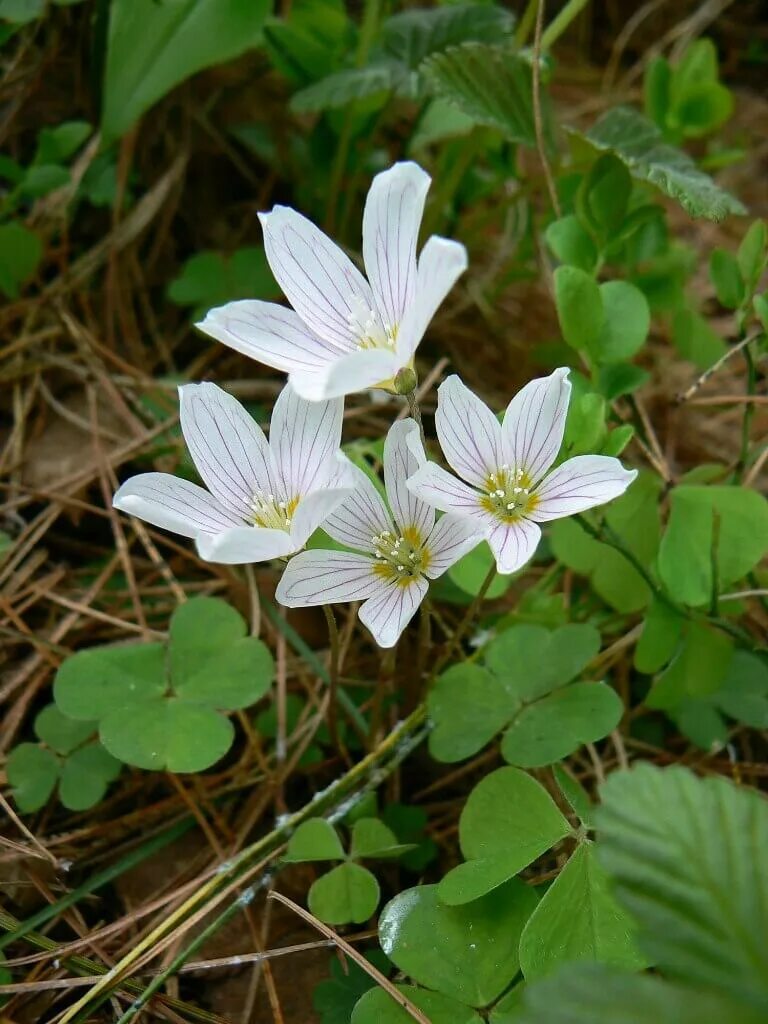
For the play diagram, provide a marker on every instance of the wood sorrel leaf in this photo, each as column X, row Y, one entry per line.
column 106, row 680
column 378, row 1007
column 315, row 839
column 468, row 706
column 347, row 894
column 531, row 660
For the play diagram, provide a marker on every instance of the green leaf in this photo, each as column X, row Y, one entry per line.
column 467, row 706
column 32, row 773
column 579, row 307
column 491, row 84
column 60, row 733
column 413, row 35
column 685, row 855
column 557, row 725
column 532, row 661
column 575, row 794
column 471, row 570
column 153, row 46
column 619, row 438
column 508, row 1008
column 315, row 839
column 335, row 998
column 371, row 838
column 344, row 87
column 661, row 637
column 637, row 142
column 508, row 821
column 467, row 953
column 585, row 424
column 85, row 775
column 56, row 145
column 349, row 894
column 698, row 669
column 656, row 90
column 685, row 555
column 605, row 193
column 20, row 253
column 621, row 379
column 752, row 254
column 727, row 279
column 744, row 693
column 41, row 179
column 626, row 322
column 103, row 680
column 695, row 340
column 211, row 659
column 170, row 734
column 378, row 1007
column 409, row 825
column 210, row 279
column 578, row 919
column 571, row 244
column 587, row 993
column 19, row 12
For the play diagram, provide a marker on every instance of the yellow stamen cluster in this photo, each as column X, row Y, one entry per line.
column 368, row 327
column 272, row 512
column 509, row 494
column 401, row 558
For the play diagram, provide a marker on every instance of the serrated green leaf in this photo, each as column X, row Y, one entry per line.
column 347, row 86
column 85, row 775
column 378, row 1007
column 349, row 894
column 106, row 680
column 315, row 839
column 413, row 35
column 32, row 773
column 532, row 661
column 467, row 953
column 685, row 855
column 167, row 733
column 60, row 733
column 508, row 821
column 639, row 144
column 491, row 84
column 558, row 724
column 578, row 919
column 184, row 37
column 467, row 706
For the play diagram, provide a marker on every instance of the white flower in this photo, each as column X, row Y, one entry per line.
column 507, row 466
column 264, row 499
column 346, row 333
column 403, row 551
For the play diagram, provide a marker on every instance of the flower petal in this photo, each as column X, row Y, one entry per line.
column 304, row 438
column 469, row 433
column 451, row 539
column 355, row 371
column 392, row 608
column 361, row 517
column 228, row 448
column 513, row 544
column 579, row 484
column 403, row 454
column 441, row 263
column 534, row 422
column 243, row 544
column 271, row 334
column 391, row 221
column 325, row 577
column 317, row 278
column 314, row 510
column 173, row 504
column 443, row 490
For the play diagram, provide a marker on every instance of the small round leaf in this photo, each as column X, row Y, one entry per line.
column 315, row 839
column 60, row 733
column 378, row 1007
column 349, row 894
column 85, row 776
column 105, row 680
column 32, row 772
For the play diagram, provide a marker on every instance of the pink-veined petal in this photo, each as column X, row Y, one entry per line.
column 403, row 455
column 512, row 544
column 314, row 510
column 271, row 334
column 304, row 438
column 579, row 484
column 445, row 491
column 451, row 539
column 318, row 280
column 388, row 613
column 469, row 433
column 361, row 517
column 326, row 577
column 244, row 544
column 355, row 371
column 441, row 263
column 391, row 221
column 173, row 504
column 534, row 422
column 228, row 448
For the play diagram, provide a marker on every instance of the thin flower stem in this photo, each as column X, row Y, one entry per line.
column 415, row 411
column 333, row 683
column 749, row 412
column 466, row 622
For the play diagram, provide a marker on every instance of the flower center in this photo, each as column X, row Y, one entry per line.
column 271, row 512
column 401, row 558
column 509, row 494
column 367, row 325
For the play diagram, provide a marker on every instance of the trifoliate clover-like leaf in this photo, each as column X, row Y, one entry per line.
column 348, row 894
column 313, row 840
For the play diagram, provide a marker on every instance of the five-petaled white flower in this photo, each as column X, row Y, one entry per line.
column 264, row 499
column 346, row 333
column 403, row 551
column 507, row 466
